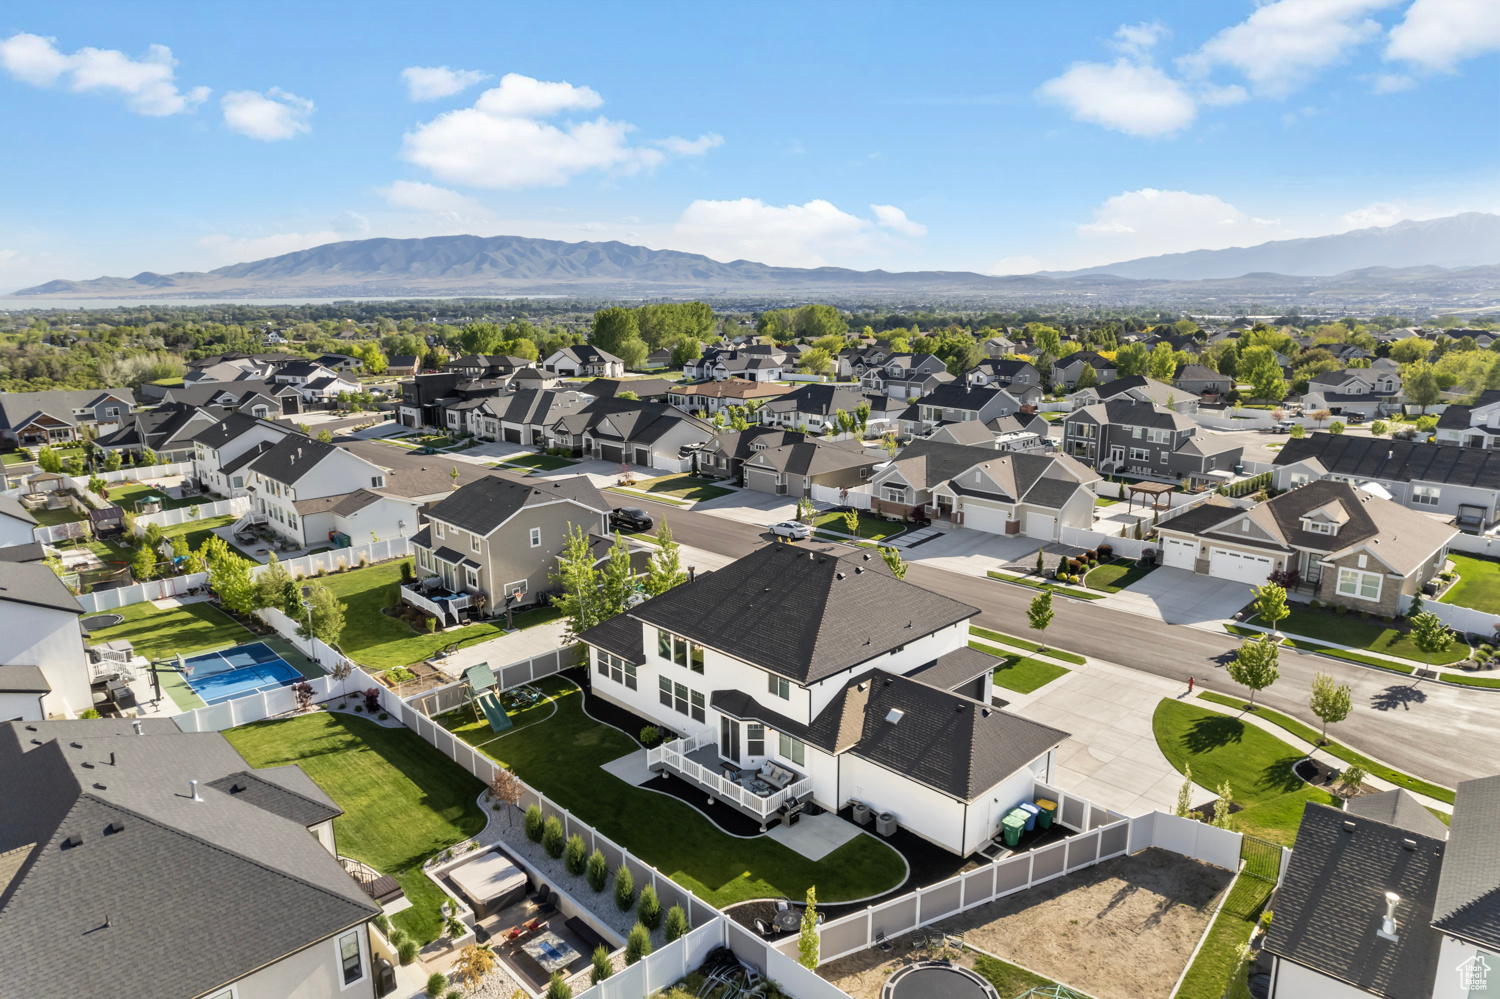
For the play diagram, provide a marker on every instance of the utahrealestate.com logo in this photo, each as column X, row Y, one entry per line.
column 1473, row 974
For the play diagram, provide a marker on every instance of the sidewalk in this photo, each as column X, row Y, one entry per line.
column 1311, row 646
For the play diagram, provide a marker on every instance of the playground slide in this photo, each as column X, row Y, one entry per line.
column 490, row 704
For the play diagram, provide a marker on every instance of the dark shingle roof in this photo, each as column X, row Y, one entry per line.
column 23, row 680
column 291, row 458
column 953, row 668
column 230, row 426
column 257, row 788
column 1332, row 899
column 485, row 504
column 33, row 551
column 925, row 463
column 35, row 584
column 1396, row 461
column 1397, row 807
column 802, row 614
column 1200, row 518
column 11, row 507
column 1468, row 893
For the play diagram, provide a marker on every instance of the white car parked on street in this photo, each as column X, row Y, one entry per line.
column 792, row 529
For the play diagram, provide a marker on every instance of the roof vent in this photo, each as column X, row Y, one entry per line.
column 984, row 712
column 139, row 728
column 117, row 826
column 858, row 569
column 194, row 786
column 76, row 745
column 100, row 787
column 958, row 709
column 838, row 575
column 73, row 842
column 1348, row 827
column 1388, row 921
column 1409, row 844
column 32, row 728
column 894, row 715
column 88, row 766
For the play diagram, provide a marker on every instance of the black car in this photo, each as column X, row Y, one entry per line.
column 630, row 518
column 1355, row 418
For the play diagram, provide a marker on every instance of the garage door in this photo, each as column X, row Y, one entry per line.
column 1238, row 566
column 1179, row 554
column 984, row 518
column 513, row 435
column 611, row 452
column 1041, row 526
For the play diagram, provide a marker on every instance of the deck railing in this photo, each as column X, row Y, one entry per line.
column 674, row 756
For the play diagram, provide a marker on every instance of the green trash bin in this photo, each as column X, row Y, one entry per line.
column 1048, row 810
column 1011, row 827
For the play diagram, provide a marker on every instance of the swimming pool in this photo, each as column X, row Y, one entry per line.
column 245, row 669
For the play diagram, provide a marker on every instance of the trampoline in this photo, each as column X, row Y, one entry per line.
column 229, row 673
column 936, row 980
column 98, row 621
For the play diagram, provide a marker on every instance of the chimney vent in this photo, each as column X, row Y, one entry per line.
column 139, row 729
column 1388, row 922
column 1348, row 827
column 1409, row 844
column 194, row 785
column 118, row 825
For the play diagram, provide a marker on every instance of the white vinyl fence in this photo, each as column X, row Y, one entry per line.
column 455, row 695
column 346, row 558
column 1462, row 619
column 1476, row 544
column 154, row 589
column 858, row 496
column 171, row 518
column 1128, row 547
column 143, row 473
column 1248, row 419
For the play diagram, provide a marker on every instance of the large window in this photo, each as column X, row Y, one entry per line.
column 1140, row 454
column 793, row 750
column 680, row 698
column 679, row 650
column 616, row 669
column 349, row 960
column 664, row 691
column 698, row 711
column 1362, row 585
column 1426, row 495
column 780, row 686
column 755, row 739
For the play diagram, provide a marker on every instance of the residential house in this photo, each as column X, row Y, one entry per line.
column 306, row 491
column 1346, row 546
column 1346, row 353
column 234, row 368
column 1020, row 378
column 1137, row 388
column 523, row 416
column 793, row 469
column 217, row 451
column 59, row 416
column 256, row 398
column 645, row 389
column 167, row 430
column 16, row 523
column 977, row 488
column 1066, row 370
column 998, row 346
column 710, row 397
column 100, row 811
column 1475, row 425
column 1141, row 438
column 44, row 671
column 1458, row 482
column 907, row 376
column 316, row 383
column 652, row 434
column 812, row 406
column 1026, row 432
column 856, row 362
column 724, row 454
column 488, row 365
column 497, row 539
column 341, row 362
column 890, row 710
column 658, row 359
column 1202, row 381
column 403, row 365
column 423, row 398
column 583, row 359
column 1370, row 392
column 957, row 402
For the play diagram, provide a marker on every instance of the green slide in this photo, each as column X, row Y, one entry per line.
column 499, row 720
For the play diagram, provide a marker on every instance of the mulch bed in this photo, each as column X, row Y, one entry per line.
column 1321, row 775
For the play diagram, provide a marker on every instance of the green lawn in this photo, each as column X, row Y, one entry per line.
column 870, row 527
column 51, row 518
column 159, row 634
column 1470, row 681
column 1370, row 635
column 1115, row 576
column 1037, row 584
column 1478, row 584
column 125, row 494
column 1217, row 961
column 1029, row 646
column 379, row 640
column 684, row 487
column 462, row 723
column 1008, row 979
column 562, row 755
column 403, row 800
column 1257, row 765
column 1309, row 734
column 540, row 462
column 1020, row 673
column 1323, row 650
column 1104, row 501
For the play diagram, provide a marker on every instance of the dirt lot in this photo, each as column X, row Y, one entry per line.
column 1121, row 930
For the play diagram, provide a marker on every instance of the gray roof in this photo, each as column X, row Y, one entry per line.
column 1468, row 893
column 245, row 884
column 18, row 408
column 925, row 463
column 814, row 457
column 485, row 504
column 1159, row 393
column 262, row 789
column 292, row 457
column 1331, row 901
column 11, row 507
column 951, row 669
column 32, row 551
column 621, row 635
column 1397, row 807
column 36, row 585
column 799, row 613
column 23, row 680
column 821, row 398
column 1396, row 461
column 231, row 426
column 1129, row 412
column 962, row 395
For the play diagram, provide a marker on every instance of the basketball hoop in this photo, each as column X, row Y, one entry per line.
column 183, row 666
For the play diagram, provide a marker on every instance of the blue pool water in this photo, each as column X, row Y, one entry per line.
column 245, row 669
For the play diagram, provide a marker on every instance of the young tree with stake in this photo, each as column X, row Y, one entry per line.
column 1430, row 635
column 1255, row 665
column 1040, row 613
column 1270, row 605
column 1330, row 701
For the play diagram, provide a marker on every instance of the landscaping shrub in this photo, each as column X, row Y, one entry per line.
column 677, row 923
column 437, row 984
column 372, row 700
column 534, row 822
column 638, row 944
column 1314, row 604
column 649, row 908
column 575, row 855
column 603, row 966
column 624, row 888
column 383, row 716
column 383, row 924
column 598, row 870
column 1341, row 610
column 406, row 951
column 1364, row 615
column 649, row 735
column 553, row 840
column 89, row 713
column 1106, row 551
column 431, row 625
column 558, row 988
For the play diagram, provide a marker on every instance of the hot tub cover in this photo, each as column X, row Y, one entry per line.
column 488, row 877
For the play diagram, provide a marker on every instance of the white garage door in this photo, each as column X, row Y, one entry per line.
column 1179, row 554
column 984, row 518
column 1041, row 526
column 1242, row 568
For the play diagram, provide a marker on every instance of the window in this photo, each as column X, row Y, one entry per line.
column 781, row 687
column 536, row 537
column 1140, row 454
column 1319, row 527
column 680, row 698
column 793, row 750
column 895, row 494
column 698, row 712
column 349, row 958
column 1135, row 432
column 1425, row 495
column 663, row 644
column 1159, row 436
column 473, row 542
column 755, row 739
column 377, row 482
column 291, row 521
column 1362, row 585
column 473, row 576
column 438, row 527
column 424, row 559
column 617, row 669
column 239, row 482
column 664, row 691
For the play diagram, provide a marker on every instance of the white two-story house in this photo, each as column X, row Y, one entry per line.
column 796, row 675
column 1371, row 392
column 307, row 491
column 217, row 451
column 43, row 668
column 1476, row 425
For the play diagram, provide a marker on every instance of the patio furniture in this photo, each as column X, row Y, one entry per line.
column 760, row 787
column 782, row 905
column 583, row 931
column 550, row 951
column 762, row 929
column 881, row 941
column 777, row 777
column 788, row 920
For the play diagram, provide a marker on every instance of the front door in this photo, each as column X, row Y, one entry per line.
column 1116, row 453
column 729, row 739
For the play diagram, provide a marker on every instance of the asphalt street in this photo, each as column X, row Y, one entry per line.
column 1434, row 731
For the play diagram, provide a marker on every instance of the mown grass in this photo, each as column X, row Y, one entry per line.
column 1020, row 673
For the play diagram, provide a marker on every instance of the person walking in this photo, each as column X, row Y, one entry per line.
column 1190, row 684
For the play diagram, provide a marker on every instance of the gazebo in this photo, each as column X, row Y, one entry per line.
column 1155, row 490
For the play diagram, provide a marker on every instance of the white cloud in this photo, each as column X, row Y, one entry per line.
column 1382, row 213
column 1131, row 97
column 1284, row 44
column 1138, row 39
column 351, row 222
column 503, row 141
column 270, row 117
column 148, row 85
column 806, row 235
column 1391, row 83
column 427, row 83
column 418, row 196
column 1439, row 34
column 893, row 218
column 678, row 146
column 221, row 248
column 1147, row 222
column 1220, row 96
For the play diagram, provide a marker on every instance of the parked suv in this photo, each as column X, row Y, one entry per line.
column 630, row 518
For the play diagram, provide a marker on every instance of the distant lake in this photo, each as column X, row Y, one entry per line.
column 8, row 304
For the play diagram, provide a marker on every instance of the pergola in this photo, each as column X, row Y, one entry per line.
column 1155, row 490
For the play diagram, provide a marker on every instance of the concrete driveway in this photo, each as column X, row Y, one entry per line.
column 749, row 506
column 1178, row 596
column 971, row 552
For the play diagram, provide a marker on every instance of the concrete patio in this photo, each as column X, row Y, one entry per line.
column 1177, row 596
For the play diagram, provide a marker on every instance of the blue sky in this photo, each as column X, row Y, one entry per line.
column 991, row 137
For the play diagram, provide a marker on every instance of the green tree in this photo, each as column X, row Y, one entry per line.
column 598, row 870
column 1270, row 605
column 1330, row 701
column 324, row 437
column 612, row 328
column 603, row 966
column 1421, row 385
column 112, row 461
column 815, row 362
column 637, row 944
column 817, row 321
column 685, row 350
column 1163, row 363
column 1087, row 377
column 1261, row 367
column 1222, row 806
column 144, row 565
column 616, row 581
column 807, row 937
column 1412, row 349
column 271, row 587
column 579, row 582
column 1336, row 427
column 677, row 923
column 1255, row 665
column 894, row 562
column 326, row 613
column 633, row 352
column 1185, row 792
column 1132, row 359
column 48, row 460
column 625, row 888
column 1298, row 431
column 1430, row 635
column 1040, row 614
column 558, row 987
column 665, row 570
column 1379, row 427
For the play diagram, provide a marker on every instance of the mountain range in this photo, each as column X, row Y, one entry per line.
column 1454, row 260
